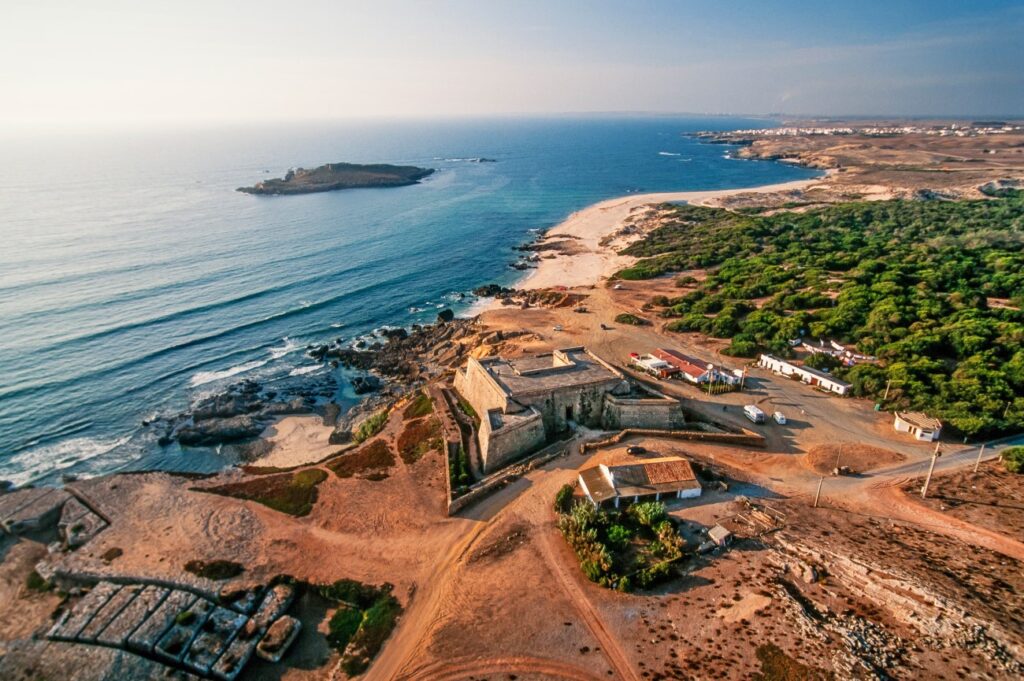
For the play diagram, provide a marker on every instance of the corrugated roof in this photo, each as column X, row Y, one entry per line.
column 653, row 475
column 919, row 419
column 597, row 484
column 669, row 469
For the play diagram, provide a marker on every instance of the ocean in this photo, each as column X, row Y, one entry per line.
column 134, row 278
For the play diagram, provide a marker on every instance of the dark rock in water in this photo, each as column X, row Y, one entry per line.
column 218, row 431
column 395, row 334
column 6, row 486
column 490, row 290
column 318, row 352
column 226, row 405
column 331, row 413
column 365, row 384
column 445, row 316
column 297, row 405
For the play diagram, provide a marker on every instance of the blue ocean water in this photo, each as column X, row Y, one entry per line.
column 133, row 277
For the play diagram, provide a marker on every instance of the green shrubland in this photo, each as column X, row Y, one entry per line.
column 933, row 289
column 622, row 550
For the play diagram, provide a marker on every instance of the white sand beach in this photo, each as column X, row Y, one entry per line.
column 589, row 226
column 297, row 440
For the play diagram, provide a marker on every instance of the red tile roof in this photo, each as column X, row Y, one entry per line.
column 688, row 365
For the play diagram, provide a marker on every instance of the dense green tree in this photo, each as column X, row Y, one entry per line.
column 932, row 288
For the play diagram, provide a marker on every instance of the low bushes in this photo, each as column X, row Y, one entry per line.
column 291, row 493
column 1013, row 459
column 35, row 582
column 631, row 319
column 362, row 623
column 214, row 569
column 467, row 409
column 420, row 406
column 370, row 426
column 372, row 459
column 563, row 498
column 418, row 438
column 622, row 550
column 458, row 472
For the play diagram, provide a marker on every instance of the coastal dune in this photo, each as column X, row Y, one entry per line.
column 591, row 261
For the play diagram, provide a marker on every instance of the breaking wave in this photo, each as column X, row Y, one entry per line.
column 50, row 459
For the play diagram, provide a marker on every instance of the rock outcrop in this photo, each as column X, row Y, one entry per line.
column 334, row 176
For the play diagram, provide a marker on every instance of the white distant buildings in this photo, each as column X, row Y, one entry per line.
column 995, row 128
column 921, row 426
column 809, row 375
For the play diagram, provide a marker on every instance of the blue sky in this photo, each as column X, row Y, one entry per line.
column 107, row 61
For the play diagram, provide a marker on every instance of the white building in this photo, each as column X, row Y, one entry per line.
column 808, row 375
column 670, row 477
column 696, row 371
column 921, row 426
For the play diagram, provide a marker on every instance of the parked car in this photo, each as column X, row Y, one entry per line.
column 780, row 418
column 635, row 449
column 556, row 328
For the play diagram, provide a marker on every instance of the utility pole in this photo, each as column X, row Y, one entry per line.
column 886, row 395
column 818, row 493
column 931, row 467
column 978, row 462
column 838, row 454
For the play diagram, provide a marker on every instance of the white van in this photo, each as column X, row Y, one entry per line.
column 753, row 413
column 780, row 418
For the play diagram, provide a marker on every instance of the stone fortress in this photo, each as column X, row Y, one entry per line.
column 526, row 402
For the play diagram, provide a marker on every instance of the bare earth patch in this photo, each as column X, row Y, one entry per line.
column 860, row 458
column 993, row 499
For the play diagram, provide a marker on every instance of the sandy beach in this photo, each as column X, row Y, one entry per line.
column 296, row 440
column 590, row 262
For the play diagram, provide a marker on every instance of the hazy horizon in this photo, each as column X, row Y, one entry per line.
column 189, row 63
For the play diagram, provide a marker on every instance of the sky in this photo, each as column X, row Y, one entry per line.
column 106, row 62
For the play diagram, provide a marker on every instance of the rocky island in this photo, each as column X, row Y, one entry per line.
column 333, row 176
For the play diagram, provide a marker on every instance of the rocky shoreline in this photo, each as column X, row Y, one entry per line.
column 401, row 361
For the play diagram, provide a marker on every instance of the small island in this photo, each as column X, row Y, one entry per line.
column 334, row 176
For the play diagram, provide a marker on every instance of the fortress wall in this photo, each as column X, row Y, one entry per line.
column 585, row 402
column 477, row 386
column 504, row 445
column 642, row 413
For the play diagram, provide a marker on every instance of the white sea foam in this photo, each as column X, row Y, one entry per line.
column 203, row 377
column 24, row 467
column 337, row 325
column 289, row 347
column 668, row 153
column 303, row 370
